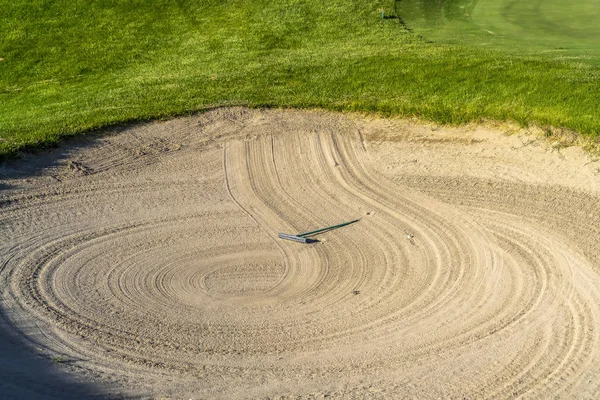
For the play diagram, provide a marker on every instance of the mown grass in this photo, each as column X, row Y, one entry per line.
column 73, row 66
column 555, row 28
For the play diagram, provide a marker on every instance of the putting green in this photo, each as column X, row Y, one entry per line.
column 560, row 23
column 560, row 27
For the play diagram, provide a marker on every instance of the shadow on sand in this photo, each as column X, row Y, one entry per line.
column 25, row 375
column 29, row 165
column 27, row 371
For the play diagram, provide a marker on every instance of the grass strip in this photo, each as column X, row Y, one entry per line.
column 69, row 67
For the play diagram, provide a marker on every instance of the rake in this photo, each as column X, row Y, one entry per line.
column 303, row 237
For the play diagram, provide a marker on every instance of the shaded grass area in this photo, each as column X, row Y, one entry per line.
column 73, row 66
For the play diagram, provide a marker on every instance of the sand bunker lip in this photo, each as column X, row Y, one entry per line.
column 156, row 265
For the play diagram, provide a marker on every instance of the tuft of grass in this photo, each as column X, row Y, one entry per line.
column 70, row 67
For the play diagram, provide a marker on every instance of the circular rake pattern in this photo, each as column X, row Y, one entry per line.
column 188, row 277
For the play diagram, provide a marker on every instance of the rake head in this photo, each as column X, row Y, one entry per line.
column 297, row 238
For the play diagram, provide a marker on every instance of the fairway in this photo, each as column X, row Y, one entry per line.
column 146, row 262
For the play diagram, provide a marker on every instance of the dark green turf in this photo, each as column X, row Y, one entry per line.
column 71, row 66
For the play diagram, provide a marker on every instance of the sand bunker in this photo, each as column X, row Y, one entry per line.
column 147, row 261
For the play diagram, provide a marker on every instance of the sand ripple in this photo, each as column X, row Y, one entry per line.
column 169, row 264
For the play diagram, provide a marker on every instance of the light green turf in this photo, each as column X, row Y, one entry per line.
column 562, row 24
column 556, row 27
column 73, row 65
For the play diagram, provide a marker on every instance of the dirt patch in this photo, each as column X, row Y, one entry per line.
column 150, row 257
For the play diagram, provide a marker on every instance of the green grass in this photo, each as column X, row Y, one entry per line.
column 545, row 24
column 555, row 28
column 74, row 66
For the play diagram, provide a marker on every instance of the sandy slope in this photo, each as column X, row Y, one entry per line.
column 148, row 260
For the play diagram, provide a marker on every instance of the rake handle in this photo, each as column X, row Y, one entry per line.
column 326, row 229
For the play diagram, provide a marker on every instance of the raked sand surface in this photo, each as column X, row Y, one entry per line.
column 145, row 262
